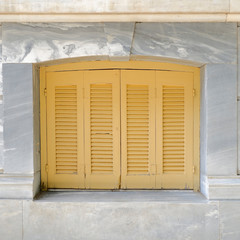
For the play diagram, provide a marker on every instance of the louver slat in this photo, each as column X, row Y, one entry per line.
column 65, row 130
column 102, row 129
column 138, row 128
column 174, row 127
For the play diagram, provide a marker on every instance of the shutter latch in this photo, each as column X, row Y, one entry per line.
column 45, row 92
column 193, row 169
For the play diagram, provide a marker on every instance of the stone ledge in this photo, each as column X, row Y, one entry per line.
column 127, row 196
column 16, row 187
column 121, row 17
column 222, row 187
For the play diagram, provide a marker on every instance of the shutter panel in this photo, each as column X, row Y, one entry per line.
column 102, row 126
column 65, row 130
column 175, row 130
column 138, row 128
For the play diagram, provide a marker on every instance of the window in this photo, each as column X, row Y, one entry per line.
column 118, row 127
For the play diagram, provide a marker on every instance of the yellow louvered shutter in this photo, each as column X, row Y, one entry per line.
column 102, row 129
column 65, row 130
column 174, row 128
column 138, row 128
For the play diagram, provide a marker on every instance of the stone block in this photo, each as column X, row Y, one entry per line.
column 238, row 147
column 10, row 220
column 221, row 119
column 18, row 118
column 198, row 42
column 116, row 6
column 16, row 187
column 120, row 220
column 1, row 105
column 238, row 58
column 234, row 6
column 30, row 43
column 1, row 119
column 229, row 214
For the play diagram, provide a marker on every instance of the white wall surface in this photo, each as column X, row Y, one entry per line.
column 123, row 11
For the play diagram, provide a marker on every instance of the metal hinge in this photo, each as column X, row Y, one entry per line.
column 194, row 92
column 46, row 167
column 193, row 169
column 45, row 92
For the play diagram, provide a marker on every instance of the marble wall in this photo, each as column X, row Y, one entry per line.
column 212, row 46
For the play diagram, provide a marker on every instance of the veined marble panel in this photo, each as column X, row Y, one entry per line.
column 229, row 213
column 29, row 43
column 1, row 104
column 10, row 220
column 238, row 58
column 18, row 118
column 120, row 220
column 119, row 38
column 0, row 44
column 221, row 119
column 200, row 42
column 238, row 104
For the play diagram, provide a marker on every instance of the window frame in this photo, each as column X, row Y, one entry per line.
column 136, row 65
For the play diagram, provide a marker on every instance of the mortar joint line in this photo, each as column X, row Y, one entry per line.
column 133, row 36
